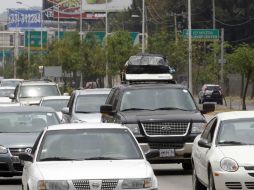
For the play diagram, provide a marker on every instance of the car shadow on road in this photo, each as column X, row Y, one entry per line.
column 162, row 172
column 10, row 181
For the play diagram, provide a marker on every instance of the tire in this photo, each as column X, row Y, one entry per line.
column 220, row 102
column 199, row 101
column 196, row 184
column 187, row 165
column 211, row 185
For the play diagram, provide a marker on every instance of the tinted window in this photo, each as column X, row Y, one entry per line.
column 6, row 92
column 26, row 122
column 89, row 144
column 38, row 91
column 157, row 98
column 90, row 103
column 147, row 60
column 55, row 104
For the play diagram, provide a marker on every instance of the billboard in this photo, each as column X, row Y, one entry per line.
column 24, row 19
column 91, row 9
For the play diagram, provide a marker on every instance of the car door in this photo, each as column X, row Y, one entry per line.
column 202, row 152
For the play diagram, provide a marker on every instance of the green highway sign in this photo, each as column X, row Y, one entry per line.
column 35, row 38
column 61, row 35
column 202, row 34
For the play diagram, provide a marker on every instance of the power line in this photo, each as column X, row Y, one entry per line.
column 235, row 25
column 243, row 39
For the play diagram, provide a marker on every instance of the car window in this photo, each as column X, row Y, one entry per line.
column 157, row 98
column 6, row 92
column 26, row 122
column 208, row 133
column 90, row 103
column 38, row 91
column 91, row 144
column 111, row 97
column 56, row 104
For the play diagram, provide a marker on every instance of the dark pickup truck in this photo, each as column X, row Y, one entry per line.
column 162, row 116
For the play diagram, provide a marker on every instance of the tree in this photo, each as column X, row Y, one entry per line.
column 242, row 60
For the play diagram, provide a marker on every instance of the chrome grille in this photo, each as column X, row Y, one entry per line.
column 17, row 151
column 109, row 184
column 233, row 185
column 249, row 185
column 166, row 145
column 249, row 167
column 81, row 184
column 165, row 128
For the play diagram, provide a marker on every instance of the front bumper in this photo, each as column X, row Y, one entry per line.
column 241, row 179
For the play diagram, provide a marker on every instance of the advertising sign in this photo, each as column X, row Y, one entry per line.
column 91, row 9
column 202, row 34
column 24, row 19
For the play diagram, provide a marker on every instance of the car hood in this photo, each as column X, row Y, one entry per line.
column 99, row 169
column 5, row 99
column 239, row 154
column 134, row 116
column 30, row 101
column 18, row 140
column 88, row 117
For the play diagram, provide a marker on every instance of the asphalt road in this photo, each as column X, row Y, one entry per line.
column 170, row 176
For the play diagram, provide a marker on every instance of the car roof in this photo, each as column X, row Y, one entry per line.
column 86, row 126
column 7, row 87
column 211, row 85
column 38, row 83
column 151, row 85
column 55, row 98
column 93, row 91
column 12, row 79
column 235, row 115
column 26, row 109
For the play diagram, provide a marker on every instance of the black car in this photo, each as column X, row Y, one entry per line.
column 211, row 93
column 162, row 116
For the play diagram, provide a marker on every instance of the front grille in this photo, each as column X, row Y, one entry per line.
column 4, row 167
column 166, row 128
column 18, row 167
column 17, row 151
column 233, row 185
column 107, row 184
column 166, row 145
column 249, row 185
column 249, row 167
column 81, row 184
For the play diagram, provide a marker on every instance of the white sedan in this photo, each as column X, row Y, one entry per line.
column 91, row 156
column 222, row 155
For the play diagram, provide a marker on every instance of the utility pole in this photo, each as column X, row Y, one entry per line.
column 175, row 23
column 16, row 52
column 143, row 26
column 214, row 24
column 222, row 57
column 190, row 46
column 106, row 85
column 81, row 38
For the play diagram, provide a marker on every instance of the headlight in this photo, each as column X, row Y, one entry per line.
column 137, row 183
column 53, row 185
column 134, row 128
column 3, row 150
column 197, row 127
column 229, row 165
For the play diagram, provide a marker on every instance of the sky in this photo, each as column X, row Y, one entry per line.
column 5, row 4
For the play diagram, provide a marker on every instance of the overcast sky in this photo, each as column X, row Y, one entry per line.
column 5, row 4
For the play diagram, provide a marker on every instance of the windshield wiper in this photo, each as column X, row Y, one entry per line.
column 232, row 143
column 83, row 112
column 56, row 159
column 133, row 109
column 102, row 158
column 171, row 108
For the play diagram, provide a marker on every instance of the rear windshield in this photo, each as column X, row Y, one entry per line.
column 213, row 88
column 38, row 91
column 147, row 60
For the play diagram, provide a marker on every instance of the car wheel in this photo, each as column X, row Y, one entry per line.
column 199, row 101
column 220, row 102
column 196, row 184
column 211, row 185
column 187, row 165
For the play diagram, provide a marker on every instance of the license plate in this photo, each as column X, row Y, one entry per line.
column 167, row 152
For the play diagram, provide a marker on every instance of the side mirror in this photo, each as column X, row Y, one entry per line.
column 66, row 110
column 106, row 109
column 203, row 143
column 26, row 157
column 152, row 153
column 12, row 96
column 208, row 107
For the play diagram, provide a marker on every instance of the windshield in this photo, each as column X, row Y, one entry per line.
column 238, row 132
column 26, row 122
column 38, row 91
column 57, row 105
column 157, row 98
column 90, row 103
column 6, row 92
column 213, row 88
column 13, row 83
column 88, row 144
column 147, row 60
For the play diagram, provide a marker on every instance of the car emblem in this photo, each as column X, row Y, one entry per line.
column 95, row 185
column 28, row 150
column 166, row 128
